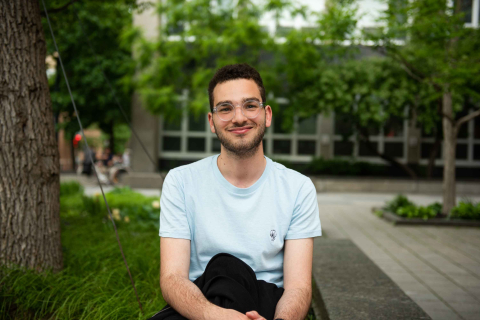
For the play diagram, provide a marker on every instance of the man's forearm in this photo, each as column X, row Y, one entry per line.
column 294, row 304
column 186, row 298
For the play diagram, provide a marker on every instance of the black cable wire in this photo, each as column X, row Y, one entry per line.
column 117, row 101
column 90, row 155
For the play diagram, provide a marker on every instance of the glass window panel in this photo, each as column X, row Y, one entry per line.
column 476, row 152
column 342, row 125
column 171, row 143
column 461, row 151
column 196, row 123
column 426, row 149
column 394, row 149
column 467, row 9
column 281, row 146
column 216, row 145
column 364, row 151
column 343, row 148
column 196, row 144
column 476, row 126
column 277, row 124
column 173, row 125
column 308, row 126
column 306, row 147
column 393, row 127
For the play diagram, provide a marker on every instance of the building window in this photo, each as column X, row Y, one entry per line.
column 308, row 125
column 172, row 125
column 467, row 9
column 306, row 147
column 171, row 143
column 281, row 146
column 196, row 144
column 426, row 150
column 461, row 152
column 196, row 123
column 364, row 150
column 393, row 127
column 343, row 148
column 394, row 149
column 476, row 152
column 216, row 145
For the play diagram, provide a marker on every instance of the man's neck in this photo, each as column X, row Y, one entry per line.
column 242, row 172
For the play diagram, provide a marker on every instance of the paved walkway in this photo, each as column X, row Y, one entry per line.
column 438, row 267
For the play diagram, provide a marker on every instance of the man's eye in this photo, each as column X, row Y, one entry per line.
column 224, row 109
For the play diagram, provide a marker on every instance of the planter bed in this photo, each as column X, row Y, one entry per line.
column 398, row 220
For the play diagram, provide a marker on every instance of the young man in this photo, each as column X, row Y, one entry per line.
column 237, row 224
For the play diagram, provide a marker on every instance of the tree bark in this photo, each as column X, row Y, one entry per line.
column 29, row 160
column 433, row 154
column 450, row 137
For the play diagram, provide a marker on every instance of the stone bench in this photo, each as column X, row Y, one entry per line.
column 348, row 285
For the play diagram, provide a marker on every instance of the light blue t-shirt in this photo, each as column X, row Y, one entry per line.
column 199, row 204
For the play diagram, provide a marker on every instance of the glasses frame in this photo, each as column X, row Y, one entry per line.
column 238, row 105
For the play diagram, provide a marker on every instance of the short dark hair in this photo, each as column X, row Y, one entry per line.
column 233, row 72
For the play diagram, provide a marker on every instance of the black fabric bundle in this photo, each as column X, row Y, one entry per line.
column 230, row 283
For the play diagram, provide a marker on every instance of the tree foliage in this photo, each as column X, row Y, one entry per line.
column 100, row 23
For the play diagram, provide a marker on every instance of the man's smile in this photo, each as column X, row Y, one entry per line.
column 240, row 130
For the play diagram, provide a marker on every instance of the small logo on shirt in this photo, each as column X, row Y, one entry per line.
column 273, row 235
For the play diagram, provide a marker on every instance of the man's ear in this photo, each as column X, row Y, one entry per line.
column 268, row 116
column 210, row 121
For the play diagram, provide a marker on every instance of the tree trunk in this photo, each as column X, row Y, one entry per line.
column 450, row 141
column 433, row 154
column 29, row 160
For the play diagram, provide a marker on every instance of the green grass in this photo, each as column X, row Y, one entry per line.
column 94, row 283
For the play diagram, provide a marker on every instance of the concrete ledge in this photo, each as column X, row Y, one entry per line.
column 397, row 220
column 149, row 180
column 350, row 286
column 360, row 184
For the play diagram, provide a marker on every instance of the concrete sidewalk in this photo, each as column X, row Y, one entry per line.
column 437, row 267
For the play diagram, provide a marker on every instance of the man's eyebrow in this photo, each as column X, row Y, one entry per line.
column 243, row 100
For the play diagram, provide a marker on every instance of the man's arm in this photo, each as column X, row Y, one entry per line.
column 297, row 272
column 178, row 291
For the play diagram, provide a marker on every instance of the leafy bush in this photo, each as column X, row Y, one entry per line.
column 70, row 188
column 425, row 213
column 403, row 207
column 467, row 210
column 399, row 201
column 338, row 167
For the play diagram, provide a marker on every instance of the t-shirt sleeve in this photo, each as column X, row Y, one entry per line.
column 173, row 214
column 305, row 221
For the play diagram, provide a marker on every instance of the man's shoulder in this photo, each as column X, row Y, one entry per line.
column 288, row 174
column 196, row 167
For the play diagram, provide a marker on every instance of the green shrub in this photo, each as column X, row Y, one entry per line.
column 403, row 207
column 399, row 201
column 412, row 211
column 467, row 210
column 70, row 188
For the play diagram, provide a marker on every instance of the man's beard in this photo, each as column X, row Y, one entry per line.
column 242, row 149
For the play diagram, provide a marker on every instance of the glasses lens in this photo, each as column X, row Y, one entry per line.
column 225, row 112
column 251, row 109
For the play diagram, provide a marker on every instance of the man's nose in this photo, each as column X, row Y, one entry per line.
column 238, row 116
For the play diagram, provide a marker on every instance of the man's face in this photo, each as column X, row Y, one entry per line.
column 241, row 136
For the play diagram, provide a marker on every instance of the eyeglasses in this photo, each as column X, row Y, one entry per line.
column 250, row 109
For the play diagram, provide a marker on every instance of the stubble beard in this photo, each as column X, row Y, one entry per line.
column 242, row 149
